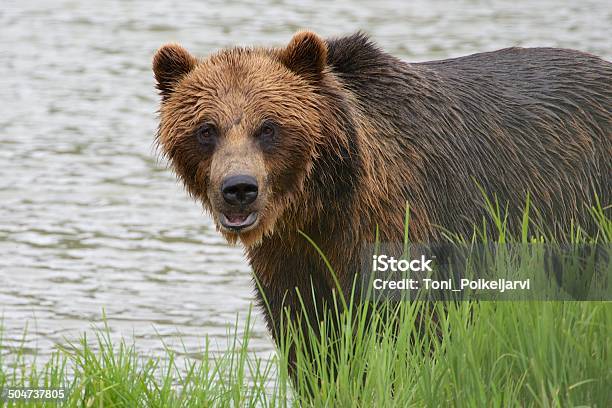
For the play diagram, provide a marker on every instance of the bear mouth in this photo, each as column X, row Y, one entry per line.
column 238, row 222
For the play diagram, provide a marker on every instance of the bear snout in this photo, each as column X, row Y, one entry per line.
column 238, row 193
column 239, row 190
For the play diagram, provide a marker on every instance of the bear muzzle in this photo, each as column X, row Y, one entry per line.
column 238, row 193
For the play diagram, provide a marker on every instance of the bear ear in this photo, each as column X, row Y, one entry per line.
column 170, row 63
column 306, row 55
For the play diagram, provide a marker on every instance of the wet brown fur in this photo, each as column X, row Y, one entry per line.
column 364, row 132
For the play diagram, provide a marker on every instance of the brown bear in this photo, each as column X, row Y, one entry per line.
column 333, row 138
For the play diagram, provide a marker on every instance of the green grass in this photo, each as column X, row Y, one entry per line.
column 451, row 354
column 98, row 373
column 490, row 354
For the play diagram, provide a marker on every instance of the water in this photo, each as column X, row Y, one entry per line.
column 91, row 220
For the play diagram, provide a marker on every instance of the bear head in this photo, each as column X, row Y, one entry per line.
column 242, row 127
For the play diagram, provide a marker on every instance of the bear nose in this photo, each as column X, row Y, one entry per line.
column 239, row 190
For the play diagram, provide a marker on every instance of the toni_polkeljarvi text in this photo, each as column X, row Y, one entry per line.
column 501, row 285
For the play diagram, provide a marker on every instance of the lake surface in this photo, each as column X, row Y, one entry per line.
column 91, row 220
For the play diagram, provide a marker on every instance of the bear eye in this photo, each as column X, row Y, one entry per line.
column 206, row 134
column 267, row 130
column 267, row 133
